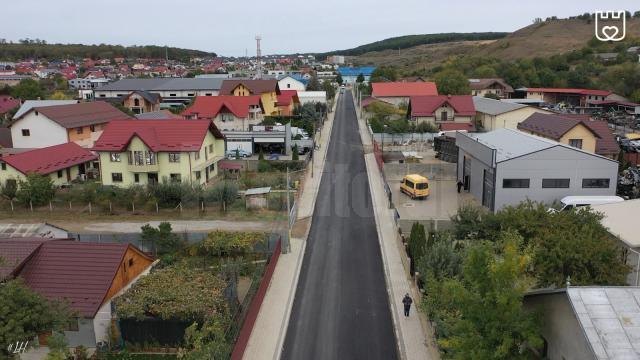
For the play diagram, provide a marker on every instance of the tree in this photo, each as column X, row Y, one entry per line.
column 452, row 82
column 59, row 95
column 314, row 84
column 492, row 96
column 25, row 313
column 225, row 192
column 162, row 238
column 360, row 78
column 441, row 259
column 27, row 89
column 35, row 190
column 417, row 241
column 328, row 87
column 9, row 190
column 339, row 79
column 295, row 156
column 384, row 74
column 491, row 322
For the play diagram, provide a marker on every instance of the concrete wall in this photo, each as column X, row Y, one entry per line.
column 443, row 171
column 554, row 163
column 43, row 132
column 562, row 331
column 84, row 336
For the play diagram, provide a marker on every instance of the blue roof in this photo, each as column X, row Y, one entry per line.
column 349, row 71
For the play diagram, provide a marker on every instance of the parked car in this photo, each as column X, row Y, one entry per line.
column 232, row 154
column 416, row 186
column 572, row 202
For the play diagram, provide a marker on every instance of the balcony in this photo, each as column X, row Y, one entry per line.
column 143, row 168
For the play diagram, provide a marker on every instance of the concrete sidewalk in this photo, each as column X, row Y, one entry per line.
column 411, row 332
column 271, row 325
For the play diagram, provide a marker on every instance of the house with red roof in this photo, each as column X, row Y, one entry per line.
column 267, row 89
column 7, row 103
column 400, row 92
column 82, row 123
column 287, row 102
column 62, row 163
column 227, row 112
column 448, row 112
column 578, row 131
column 87, row 275
column 573, row 97
column 141, row 152
column 490, row 86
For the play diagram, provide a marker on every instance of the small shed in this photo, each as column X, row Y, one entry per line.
column 257, row 198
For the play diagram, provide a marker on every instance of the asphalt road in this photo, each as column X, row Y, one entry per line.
column 341, row 308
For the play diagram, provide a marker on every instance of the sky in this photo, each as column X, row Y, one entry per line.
column 229, row 27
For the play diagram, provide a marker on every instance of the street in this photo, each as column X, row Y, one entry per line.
column 341, row 308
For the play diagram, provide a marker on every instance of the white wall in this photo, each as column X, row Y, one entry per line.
column 43, row 132
column 165, row 94
column 289, row 83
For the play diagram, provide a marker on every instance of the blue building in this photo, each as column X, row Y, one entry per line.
column 350, row 74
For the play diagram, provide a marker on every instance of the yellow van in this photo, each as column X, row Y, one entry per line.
column 415, row 185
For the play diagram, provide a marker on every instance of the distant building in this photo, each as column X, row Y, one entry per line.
column 227, row 112
column 287, row 102
column 88, row 83
column 172, row 90
column 81, row 123
column 336, row 59
column 142, row 101
column 578, row 131
column 7, row 103
column 505, row 167
column 292, row 82
column 400, row 92
column 494, row 86
column 494, row 114
column 12, row 80
column 350, row 74
column 268, row 90
column 573, row 97
column 448, row 112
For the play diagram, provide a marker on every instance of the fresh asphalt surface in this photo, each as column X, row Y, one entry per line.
column 341, row 308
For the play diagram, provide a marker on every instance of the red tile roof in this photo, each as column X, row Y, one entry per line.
column 81, row 114
column 208, row 107
column 453, row 126
column 7, row 103
column 15, row 252
column 256, row 87
column 427, row 105
column 50, row 159
column 80, row 272
column 286, row 97
column 158, row 135
column 406, row 89
column 606, row 143
column 571, row 91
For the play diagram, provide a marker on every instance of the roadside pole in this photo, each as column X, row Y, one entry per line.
column 288, row 214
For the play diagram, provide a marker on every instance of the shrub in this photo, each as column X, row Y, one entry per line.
column 295, row 156
column 225, row 192
column 36, row 190
column 9, row 190
column 263, row 166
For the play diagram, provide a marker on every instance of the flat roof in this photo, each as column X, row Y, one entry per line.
column 619, row 219
column 494, row 107
column 610, row 319
column 258, row 191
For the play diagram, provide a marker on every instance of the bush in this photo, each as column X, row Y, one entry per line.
column 225, row 192
column 263, row 166
column 295, row 156
column 36, row 190
column 9, row 190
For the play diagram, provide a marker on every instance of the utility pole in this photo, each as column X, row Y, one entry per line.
column 258, row 58
column 288, row 210
column 313, row 152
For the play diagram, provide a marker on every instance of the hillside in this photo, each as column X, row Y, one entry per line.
column 14, row 52
column 408, row 41
column 544, row 39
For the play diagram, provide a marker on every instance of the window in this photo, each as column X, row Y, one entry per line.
column 79, row 130
column 72, row 325
column 555, row 183
column 138, row 158
column 92, row 128
column 210, row 148
column 175, row 177
column 59, row 174
column 227, row 117
column 173, row 95
column 115, row 157
column 208, row 94
column 136, row 177
column 196, row 155
column 174, row 157
column 131, row 262
column 288, row 86
column 116, row 177
column 191, row 94
column 136, row 102
column 198, row 175
column 576, row 143
column 150, row 157
column 515, row 183
column 26, row 132
column 443, row 116
column 3, row 166
column 595, row 183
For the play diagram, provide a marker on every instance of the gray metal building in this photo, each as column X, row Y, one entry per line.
column 505, row 166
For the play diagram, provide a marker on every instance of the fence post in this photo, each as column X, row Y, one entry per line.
column 31, row 205
column 180, row 206
column 11, row 205
column 89, row 208
column 69, row 205
column 202, row 206
column 133, row 206
column 50, row 206
column 157, row 209
column 110, row 208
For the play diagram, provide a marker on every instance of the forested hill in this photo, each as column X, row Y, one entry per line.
column 18, row 51
column 404, row 42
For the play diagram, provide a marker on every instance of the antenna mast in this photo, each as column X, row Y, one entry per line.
column 258, row 58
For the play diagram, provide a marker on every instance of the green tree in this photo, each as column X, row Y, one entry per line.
column 9, row 190
column 384, row 74
column 59, row 95
column 339, row 79
column 36, row 189
column 360, row 78
column 294, row 155
column 28, row 89
column 162, row 238
column 225, row 192
column 328, row 87
column 452, row 82
column 441, row 259
column 25, row 313
column 314, row 84
column 491, row 323
column 58, row 347
column 492, row 96
column 417, row 241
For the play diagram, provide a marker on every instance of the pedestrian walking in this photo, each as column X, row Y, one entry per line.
column 459, row 184
column 407, row 301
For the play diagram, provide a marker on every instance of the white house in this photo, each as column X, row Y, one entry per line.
column 288, row 82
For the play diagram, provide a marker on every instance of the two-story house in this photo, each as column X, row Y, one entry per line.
column 82, row 123
column 135, row 152
column 287, row 102
column 140, row 101
column 448, row 112
column 578, row 131
column 267, row 89
column 227, row 112
column 490, row 86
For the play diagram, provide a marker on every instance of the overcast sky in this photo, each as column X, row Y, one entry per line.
column 286, row 26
